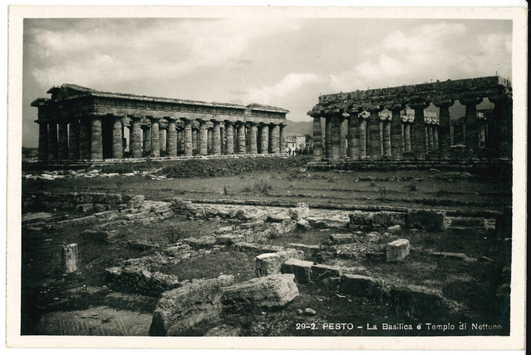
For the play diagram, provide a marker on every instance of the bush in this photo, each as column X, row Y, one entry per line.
column 412, row 186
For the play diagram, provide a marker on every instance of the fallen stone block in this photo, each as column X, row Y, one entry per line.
column 141, row 280
column 397, row 250
column 361, row 218
column 226, row 229
column 180, row 309
column 431, row 220
column 202, row 242
column 229, row 239
column 394, row 229
column 303, row 224
column 270, row 291
column 301, row 211
column 342, row 238
column 320, row 272
column 251, row 225
column 361, row 286
column 386, row 219
column 271, row 263
column 309, row 250
column 414, row 300
column 279, row 217
column 137, row 202
column 179, row 251
column 300, row 268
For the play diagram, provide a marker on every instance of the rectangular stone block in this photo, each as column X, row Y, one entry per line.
column 397, row 250
column 361, row 286
column 342, row 238
column 300, row 268
column 271, row 263
column 432, row 220
column 387, row 219
column 320, row 272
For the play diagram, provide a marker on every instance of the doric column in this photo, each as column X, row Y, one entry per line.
column 431, row 144
column 481, row 130
column 84, row 138
column 275, row 138
column 353, row 136
column 386, row 134
column 171, row 139
column 471, row 124
column 335, row 150
column 209, row 140
column 264, row 138
column 62, row 140
column 436, row 137
column 43, row 140
column 188, row 144
column 52, row 140
column 317, row 137
column 146, row 134
column 419, row 132
column 96, row 142
column 282, row 138
column 117, row 144
column 155, row 136
column 397, row 143
column 229, row 128
column 253, row 135
column 163, row 139
column 343, row 133
column 328, row 136
column 195, row 144
column 501, row 133
column 241, row 137
column 444, row 127
column 363, row 116
column 375, row 141
column 136, row 140
column 216, row 137
column 73, row 139
column 203, row 137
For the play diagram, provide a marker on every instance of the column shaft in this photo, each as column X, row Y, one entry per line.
column 73, row 140
column 172, row 138
column 419, row 133
column 374, row 133
column 135, row 144
column 241, row 138
column 387, row 139
column 328, row 137
column 264, row 139
column 203, row 137
column 62, row 151
column 471, row 124
column 335, row 151
column 84, row 138
column 444, row 131
column 343, row 132
column 397, row 143
column 155, row 137
column 117, row 144
column 43, row 141
column 96, row 142
column 363, row 137
column 253, row 132
column 275, row 138
column 188, row 138
column 229, row 127
column 52, row 140
column 317, row 136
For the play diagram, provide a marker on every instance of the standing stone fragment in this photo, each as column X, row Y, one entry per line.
column 397, row 250
column 70, row 258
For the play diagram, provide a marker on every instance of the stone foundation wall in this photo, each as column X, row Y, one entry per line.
column 82, row 202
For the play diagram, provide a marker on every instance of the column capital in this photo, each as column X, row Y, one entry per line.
column 470, row 101
column 374, row 108
column 443, row 102
column 419, row 105
column 171, row 118
column 395, row 106
column 364, row 115
column 314, row 113
column 500, row 98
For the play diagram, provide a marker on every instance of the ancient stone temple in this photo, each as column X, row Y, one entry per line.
column 356, row 126
column 79, row 123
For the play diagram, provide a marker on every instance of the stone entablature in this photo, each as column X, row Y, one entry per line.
column 356, row 126
column 79, row 123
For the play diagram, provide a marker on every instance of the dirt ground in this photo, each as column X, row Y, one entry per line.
column 45, row 289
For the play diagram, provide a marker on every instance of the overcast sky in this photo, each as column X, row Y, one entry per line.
column 282, row 62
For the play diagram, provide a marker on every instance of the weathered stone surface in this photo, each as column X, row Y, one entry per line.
column 230, row 238
column 338, row 221
column 361, row 218
column 226, row 229
column 342, row 238
column 180, row 309
column 321, row 272
column 414, row 300
column 432, row 220
column 70, row 258
column 85, row 207
column 137, row 202
column 397, row 250
column 309, row 250
column 224, row 331
column 361, row 286
column 270, row 291
column 271, row 263
column 387, row 218
column 303, row 224
column 300, row 268
column 394, row 229
column 301, row 211
column 279, row 217
column 182, row 251
column 202, row 242
column 141, row 280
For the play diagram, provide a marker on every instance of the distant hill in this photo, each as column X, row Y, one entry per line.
column 304, row 127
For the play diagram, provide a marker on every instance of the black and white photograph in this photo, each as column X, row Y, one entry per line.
column 238, row 175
